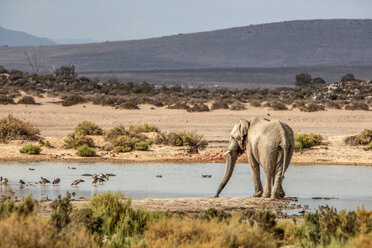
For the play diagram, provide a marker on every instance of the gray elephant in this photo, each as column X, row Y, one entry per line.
column 269, row 143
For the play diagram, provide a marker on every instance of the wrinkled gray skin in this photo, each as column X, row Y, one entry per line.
column 269, row 143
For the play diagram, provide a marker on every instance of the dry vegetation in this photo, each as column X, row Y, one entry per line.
column 349, row 94
column 109, row 220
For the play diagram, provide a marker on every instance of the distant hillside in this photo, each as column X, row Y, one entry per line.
column 282, row 44
column 17, row 38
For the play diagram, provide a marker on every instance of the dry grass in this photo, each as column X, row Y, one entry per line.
column 12, row 128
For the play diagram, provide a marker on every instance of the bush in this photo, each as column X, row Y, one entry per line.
column 141, row 146
column 198, row 107
column 237, row 106
column 30, row 149
column 255, row 103
column 61, row 210
column 115, row 132
column 124, row 143
column 357, row 105
column 74, row 140
column 364, row 138
column 88, row 128
column 27, row 100
column 219, row 105
column 178, row 105
column 318, row 80
column 192, row 139
column 277, row 105
column 66, row 72
column 303, row 79
column 129, row 105
column 119, row 217
column 347, row 77
column 85, row 151
column 312, row 107
column 4, row 99
column 145, row 128
column 74, row 99
column 12, row 128
column 303, row 141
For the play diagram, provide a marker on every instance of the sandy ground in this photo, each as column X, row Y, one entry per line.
column 56, row 121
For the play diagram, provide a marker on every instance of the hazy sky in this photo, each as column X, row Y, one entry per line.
column 124, row 19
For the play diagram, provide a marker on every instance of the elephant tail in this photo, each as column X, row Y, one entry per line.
column 286, row 148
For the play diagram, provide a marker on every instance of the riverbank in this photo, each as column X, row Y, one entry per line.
column 197, row 205
column 56, row 121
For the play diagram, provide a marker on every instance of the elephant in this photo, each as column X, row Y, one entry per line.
column 269, row 143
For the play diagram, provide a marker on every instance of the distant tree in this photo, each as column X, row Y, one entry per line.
column 347, row 77
column 66, row 71
column 318, row 80
column 34, row 58
column 303, row 79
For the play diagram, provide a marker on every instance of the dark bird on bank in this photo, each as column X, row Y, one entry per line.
column 21, row 182
column 56, row 181
column 43, row 180
column 76, row 182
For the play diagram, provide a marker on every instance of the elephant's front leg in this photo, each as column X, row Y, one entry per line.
column 255, row 171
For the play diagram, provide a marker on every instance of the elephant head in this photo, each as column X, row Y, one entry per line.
column 237, row 147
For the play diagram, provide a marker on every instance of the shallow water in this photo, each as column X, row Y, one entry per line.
column 352, row 185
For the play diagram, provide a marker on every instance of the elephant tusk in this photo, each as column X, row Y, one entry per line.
column 226, row 153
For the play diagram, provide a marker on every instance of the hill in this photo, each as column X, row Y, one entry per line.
column 18, row 38
column 273, row 45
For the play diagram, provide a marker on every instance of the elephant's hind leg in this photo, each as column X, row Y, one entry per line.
column 255, row 171
column 277, row 190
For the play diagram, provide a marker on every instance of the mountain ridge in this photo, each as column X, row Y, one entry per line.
column 19, row 38
column 270, row 45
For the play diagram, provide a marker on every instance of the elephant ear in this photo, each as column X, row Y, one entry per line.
column 239, row 133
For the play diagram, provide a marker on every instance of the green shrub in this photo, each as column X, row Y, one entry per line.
column 88, row 128
column 365, row 137
column 25, row 207
column 61, row 210
column 119, row 217
column 85, row 151
column 12, row 128
column 115, row 132
column 73, row 140
column 192, row 139
column 141, row 146
column 145, row 128
column 303, row 141
column 30, row 149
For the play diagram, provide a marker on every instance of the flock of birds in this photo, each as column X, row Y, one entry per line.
column 101, row 178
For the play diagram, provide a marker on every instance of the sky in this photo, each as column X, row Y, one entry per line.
column 102, row 20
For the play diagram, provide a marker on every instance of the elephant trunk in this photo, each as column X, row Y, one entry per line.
column 231, row 156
